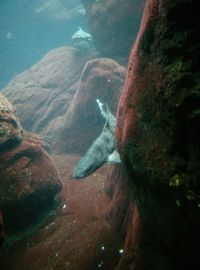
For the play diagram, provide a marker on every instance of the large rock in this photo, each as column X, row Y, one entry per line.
column 102, row 79
column 28, row 178
column 114, row 24
column 124, row 213
column 10, row 129
column 42, row 93
column 158, row 137
column 29, row 182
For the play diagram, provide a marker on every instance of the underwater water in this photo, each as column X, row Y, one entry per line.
column 99, row 137
column 29, row 29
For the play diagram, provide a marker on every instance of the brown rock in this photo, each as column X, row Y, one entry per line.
column 101, row 79
column 29, row 182
column 114, row 24
column 79, row 237
column 41, row 94
column 10, row 129
column 123, row 212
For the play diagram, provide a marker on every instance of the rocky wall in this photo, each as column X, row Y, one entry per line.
column 157, row 133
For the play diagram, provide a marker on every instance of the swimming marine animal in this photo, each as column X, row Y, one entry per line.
column 102, row 150
column 82, row 40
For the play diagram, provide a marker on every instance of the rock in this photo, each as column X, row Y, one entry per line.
column 123, row 212
column 2, row 233
column 158, row 136
column 29, row 182
column 11, row 132
column 116, row 187
column 41, row 94
column 114, row 25
column 102, row 79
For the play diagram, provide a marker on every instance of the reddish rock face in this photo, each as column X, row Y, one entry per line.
column 114, row 24
column 100, row 79
column 124, row 213
column 29, row 182
column 157, row 131
column 41, row 94
column 28, row 178
column 10, row 129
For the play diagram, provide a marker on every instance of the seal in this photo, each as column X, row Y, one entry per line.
column 102, row 150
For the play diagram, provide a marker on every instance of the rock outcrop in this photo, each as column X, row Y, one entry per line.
column 29, row 182
column 114, row 25
column 10, row 129
column 28, row 178
column 42, row 93
column 158, row 137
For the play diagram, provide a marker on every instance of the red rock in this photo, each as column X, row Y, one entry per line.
column 29, row 182
column 41, row 94
column 123, row 212
column 101, row 78
column 28, row 178
column 114, row 24
column 116, row 187
column 132, row 239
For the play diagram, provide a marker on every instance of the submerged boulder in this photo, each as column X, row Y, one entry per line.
column 29, row 182
column 11, row 132
column 42, row 93
column 158, row 135
column 28, row 179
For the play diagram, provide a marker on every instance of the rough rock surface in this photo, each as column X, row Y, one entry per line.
column 42, row 93
column 158, row 136
column 2, row 233
column 114, row 24
column 29, row 182
column 10, row 129
column 101, row 78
